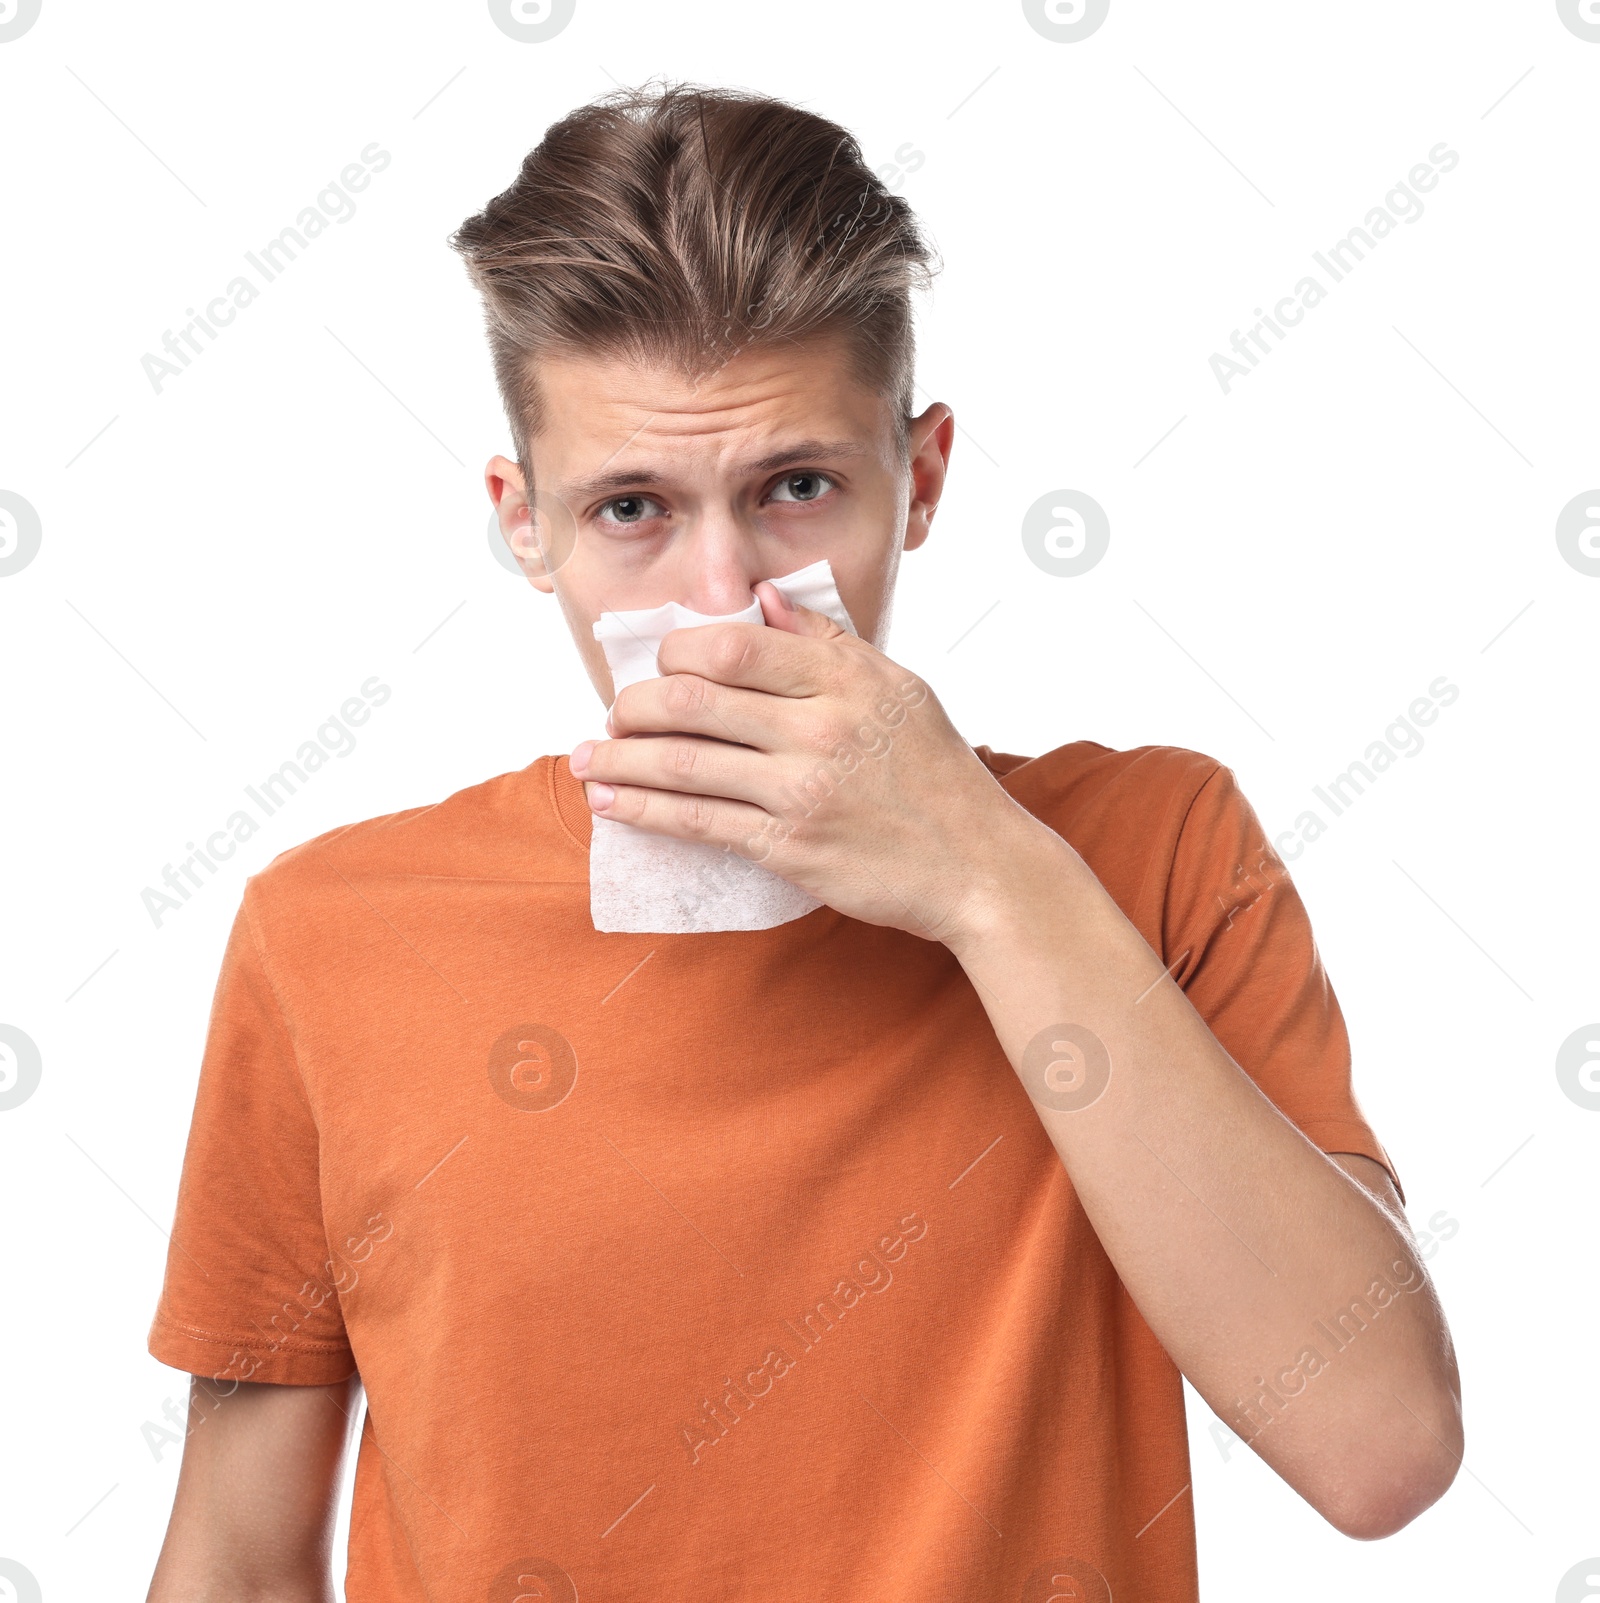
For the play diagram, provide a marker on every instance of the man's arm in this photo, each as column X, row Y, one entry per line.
column 1285, row 1285
column 1245, row 1248
column 252, row 1521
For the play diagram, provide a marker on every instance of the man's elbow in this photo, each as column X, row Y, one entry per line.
column 1387, row 1492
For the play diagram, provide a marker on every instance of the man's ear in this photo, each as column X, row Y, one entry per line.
column 509, row 494
column 932, row 435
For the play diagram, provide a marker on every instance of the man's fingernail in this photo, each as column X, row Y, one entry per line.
column 579, row 760
column 600, row 796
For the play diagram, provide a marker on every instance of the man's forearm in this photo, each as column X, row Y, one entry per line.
column 1233, row 1234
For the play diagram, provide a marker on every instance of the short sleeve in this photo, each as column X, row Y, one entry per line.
column 1238, row 940
column 250, row 1291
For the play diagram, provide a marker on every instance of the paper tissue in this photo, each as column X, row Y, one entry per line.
column 644, row 883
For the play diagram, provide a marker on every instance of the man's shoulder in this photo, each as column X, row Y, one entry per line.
column 1125, row 811
column 1085, row 780
column 505, row 828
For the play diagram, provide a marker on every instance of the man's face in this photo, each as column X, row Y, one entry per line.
column 651, row 487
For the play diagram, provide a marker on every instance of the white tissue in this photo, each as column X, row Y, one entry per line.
column 643, row 883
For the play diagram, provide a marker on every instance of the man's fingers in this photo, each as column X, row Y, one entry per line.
column 755, row 657
column 714, row 820
column 674, row 762
column 688, row 702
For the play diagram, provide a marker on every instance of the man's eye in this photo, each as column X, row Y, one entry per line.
column 630, row 509
column 801, row 487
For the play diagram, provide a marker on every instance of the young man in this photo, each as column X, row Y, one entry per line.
column 856, row 1257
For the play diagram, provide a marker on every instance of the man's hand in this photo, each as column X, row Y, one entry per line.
column 805, row 749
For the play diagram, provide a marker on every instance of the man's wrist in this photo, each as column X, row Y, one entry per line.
column 1023, row 871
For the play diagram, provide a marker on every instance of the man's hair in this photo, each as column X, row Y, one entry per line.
column 681, row 224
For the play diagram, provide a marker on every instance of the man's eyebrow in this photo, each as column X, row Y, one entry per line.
column 800, row 454
column 804, row 451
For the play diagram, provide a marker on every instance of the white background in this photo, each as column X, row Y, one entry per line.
column 223, row 563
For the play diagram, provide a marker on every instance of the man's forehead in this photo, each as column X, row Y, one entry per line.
column 759, row 411
column 751, row 374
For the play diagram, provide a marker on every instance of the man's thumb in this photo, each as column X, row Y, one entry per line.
column 781, row 613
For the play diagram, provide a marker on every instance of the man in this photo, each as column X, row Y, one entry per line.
column 856, row 1257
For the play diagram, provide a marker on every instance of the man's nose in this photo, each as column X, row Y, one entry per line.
column 720, row 564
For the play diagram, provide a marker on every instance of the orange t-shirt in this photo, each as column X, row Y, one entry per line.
column 735, row 1267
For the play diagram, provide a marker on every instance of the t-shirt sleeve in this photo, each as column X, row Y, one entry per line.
column 1239, row 942
column 250, row 1291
